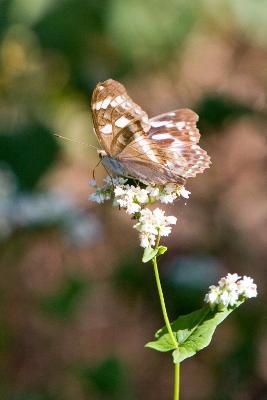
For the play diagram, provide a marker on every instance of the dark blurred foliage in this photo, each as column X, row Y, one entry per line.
column 214, row 110
column 22, row 152
column 65, row 300
column 109, row 379
column 76, row 303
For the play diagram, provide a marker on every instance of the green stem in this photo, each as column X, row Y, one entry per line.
column 168, row 325
column 162, row 302
column 176, row 391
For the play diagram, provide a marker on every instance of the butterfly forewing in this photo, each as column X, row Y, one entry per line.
column 117, row 119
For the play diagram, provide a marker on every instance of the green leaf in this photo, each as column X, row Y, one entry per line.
column 162, row 250
column 163, row 344
column 193, row 332
column 149, row 253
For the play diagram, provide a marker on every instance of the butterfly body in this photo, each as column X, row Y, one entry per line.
column 113, row 165
column 159, row 150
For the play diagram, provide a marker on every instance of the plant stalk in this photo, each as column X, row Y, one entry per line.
column 176, row 390
column 162, row 302
column 168, row 325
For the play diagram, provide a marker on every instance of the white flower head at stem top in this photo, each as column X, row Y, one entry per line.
column 230, row 290
column 133, row 199
column 152, row 224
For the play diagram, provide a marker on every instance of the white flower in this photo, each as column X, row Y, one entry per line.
column 247, row 287
column 230, row 290
column 132, row 208
column 228, row 297
column 165, row 231
column 171, row 220
column 167, row 198
column 228, row 280
column 168, row 193
column 102, row 193
column 184, row 193
column 130, row 198
column 141, row 195
column 158, row 216
column 147, row 240
column 151, row 224
column 144, row 240
column 153, row 191
column 119, row 191
column 99, row 197
column 213, row 295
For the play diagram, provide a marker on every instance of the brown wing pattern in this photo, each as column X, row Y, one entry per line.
column 160, row 150
column 169, row 149
column 117, row 119
column 178, row 139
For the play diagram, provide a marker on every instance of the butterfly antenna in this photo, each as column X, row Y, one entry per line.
column 87, row 145
column 75, row 141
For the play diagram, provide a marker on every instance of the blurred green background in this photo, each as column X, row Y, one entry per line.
column 76, row 304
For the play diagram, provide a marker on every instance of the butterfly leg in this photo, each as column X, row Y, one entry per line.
column 95, row 169
column 111, row 178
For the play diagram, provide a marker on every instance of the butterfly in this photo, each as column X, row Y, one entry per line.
column 159, row 150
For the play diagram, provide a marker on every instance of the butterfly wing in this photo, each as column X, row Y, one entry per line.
column 117, row 119
column 169, row 151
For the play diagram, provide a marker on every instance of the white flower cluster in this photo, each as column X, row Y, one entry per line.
column 230, row 290
column 105, row 192
column 152, row 224
column 133, row 200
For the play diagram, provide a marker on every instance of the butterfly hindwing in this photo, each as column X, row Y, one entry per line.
column 177, row 137
column 169, row 148
column 179, row 123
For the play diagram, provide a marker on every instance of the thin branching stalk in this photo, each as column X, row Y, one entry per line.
column 168, row 325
